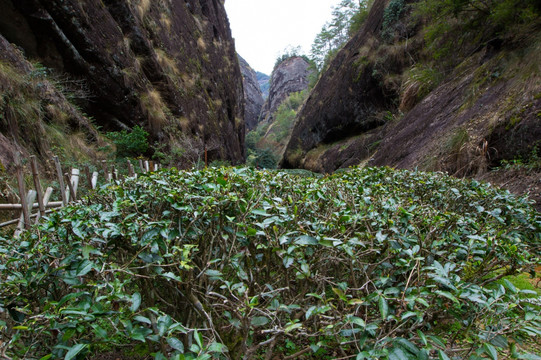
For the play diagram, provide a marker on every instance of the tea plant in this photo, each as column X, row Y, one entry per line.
column 245, row 264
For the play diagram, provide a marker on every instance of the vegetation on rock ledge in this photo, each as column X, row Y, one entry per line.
column 237, row 263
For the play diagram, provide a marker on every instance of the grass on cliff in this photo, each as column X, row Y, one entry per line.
column 237, row 263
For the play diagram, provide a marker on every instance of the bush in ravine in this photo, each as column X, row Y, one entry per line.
column 238, row 263
column 133, row 143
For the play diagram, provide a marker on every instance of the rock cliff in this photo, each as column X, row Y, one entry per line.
column 36, row 117
column 347, row 101
column 169, row 66
column 382, row 101
column 253, row 97
column 290, row 76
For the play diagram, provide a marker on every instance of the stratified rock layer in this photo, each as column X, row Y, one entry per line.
column 253, row 98
column 290, row 76
column 170, row 66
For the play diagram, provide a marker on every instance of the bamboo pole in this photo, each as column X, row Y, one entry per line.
column 75, row 175
column 12, row 207
column 60, row 180
column 37, row 184
column 22, row 190
column 11, row 222
column 94, row 182
column 70, row 188
column 24, row 219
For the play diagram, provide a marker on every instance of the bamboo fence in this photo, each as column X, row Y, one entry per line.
column 69, row 185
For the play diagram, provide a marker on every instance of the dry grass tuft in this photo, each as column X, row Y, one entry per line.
column 167, row 63
column 156, row 110
column 143, row 8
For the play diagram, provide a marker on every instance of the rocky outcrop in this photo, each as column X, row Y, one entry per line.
column 36, row 116
column 348, row 100
column 376, row 104
column 290, row 76
column 170, row 66
column 264, row 83
column 253, row 98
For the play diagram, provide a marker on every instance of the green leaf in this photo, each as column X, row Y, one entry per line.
column 397, row 353
column 306, row 240
column 383, row 307
column 491, row 350
column 198, row 338
column 216, row 347
column 259, row 321
column 135, row 302
column 74, row 350
column 500, row 342
column 447, row 295
column 442, row 355
column 143, row 319
column 422, row 337
column 407, row 345
column 84, row 268
column 46, row 357
column 213, row 274
column 176, row 344
column 529, row 357
column 292, row 327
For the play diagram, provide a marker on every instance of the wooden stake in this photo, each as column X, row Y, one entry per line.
column 113, row 173
column 141, row 165
column 60, row 180
column 206, row 157
column 151, row 166
column 88, row 176
column 105, row 170
column 147, row 169
column 22, row 190
column 46, row 199
column 37, row 184
column 24, row 219
column 70, row 187
column 131, row 170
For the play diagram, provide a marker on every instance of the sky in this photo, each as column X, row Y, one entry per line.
column 263, row 29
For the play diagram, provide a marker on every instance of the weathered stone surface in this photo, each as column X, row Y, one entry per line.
column 30, row 106
column 253, row 98
column 170, row 66
column 290, row 76
column 346, row 101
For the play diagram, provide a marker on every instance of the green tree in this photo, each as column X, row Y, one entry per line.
column 347, row 18
column 133, row 143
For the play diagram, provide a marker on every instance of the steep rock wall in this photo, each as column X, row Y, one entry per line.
column 170, row 66
column 347, row 100
column 291, row 75
column 253, row 97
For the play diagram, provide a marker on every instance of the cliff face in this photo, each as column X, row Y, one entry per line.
column 347, row 100
column 170, row 66
column 36, row 117
column 290, row 76
column 253, row 98
column 376, row 104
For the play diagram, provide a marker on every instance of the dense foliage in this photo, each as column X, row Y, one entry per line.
column 239, row 263
column 133, row 143
column 347, row 17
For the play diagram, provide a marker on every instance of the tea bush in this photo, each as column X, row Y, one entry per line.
column 244, row 264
